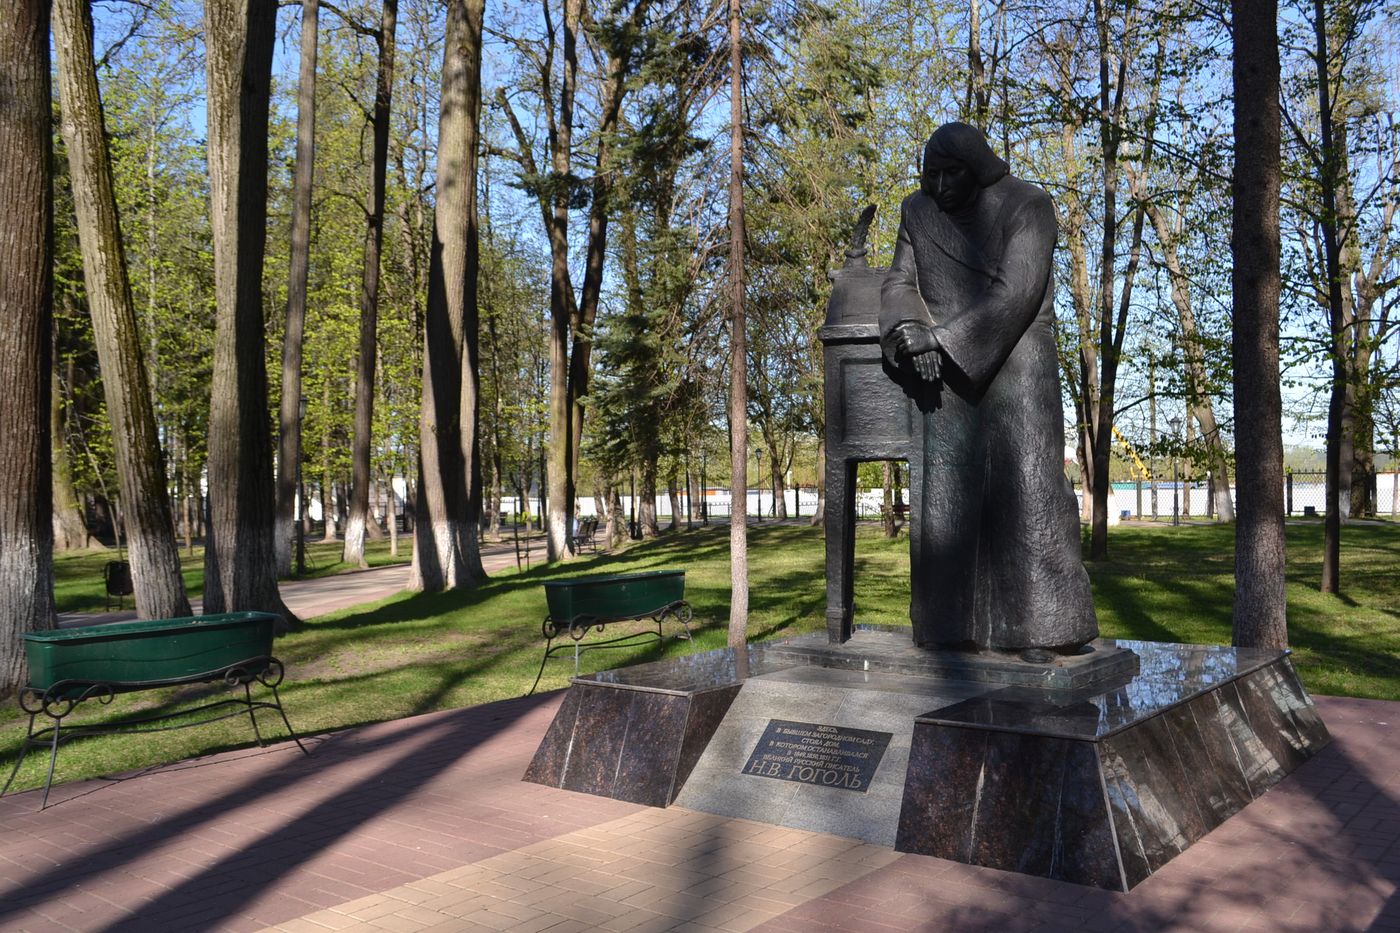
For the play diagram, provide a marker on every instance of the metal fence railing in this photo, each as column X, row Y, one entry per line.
column 1305, row 496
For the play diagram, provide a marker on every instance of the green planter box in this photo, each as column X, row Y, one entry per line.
column 132, row 655
column 614, row 596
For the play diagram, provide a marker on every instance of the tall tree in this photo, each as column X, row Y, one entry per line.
column 26, row 307
column 738, row 348
column 1260, row 611
column 240, row 570
column 1340, row 214
column 289, row 414
column 446, row 554
column 1113, row 63
column 617, row 38
column 155, row 558
column 369, row 294
column 561, row 296
column 1337, row 312
column 1198, row 400
column 555, row 63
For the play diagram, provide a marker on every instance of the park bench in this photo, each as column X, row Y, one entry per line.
column 96, row 662
column 583, row 535
column 581, row 605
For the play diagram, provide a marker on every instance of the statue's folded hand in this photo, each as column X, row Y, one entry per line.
column 916, row 342
column 928, row 365
column 912, row 338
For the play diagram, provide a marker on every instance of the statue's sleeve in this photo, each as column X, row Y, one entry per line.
column 979, row 338
column 900, row 300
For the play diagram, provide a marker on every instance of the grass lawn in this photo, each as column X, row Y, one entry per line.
column 78, row 574
column 413, row 653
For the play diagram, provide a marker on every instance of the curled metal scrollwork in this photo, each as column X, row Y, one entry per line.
column 579, row 626
column 272, row 674
column 59, row 699
column 266, row 670
column 550, row 629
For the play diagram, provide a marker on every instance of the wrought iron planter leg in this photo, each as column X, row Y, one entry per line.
column 23, row 751
column 248, row 698
column 283, row 713
column 543, row 661
column 53, row 760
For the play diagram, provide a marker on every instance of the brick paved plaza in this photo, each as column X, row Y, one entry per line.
column 423, row 824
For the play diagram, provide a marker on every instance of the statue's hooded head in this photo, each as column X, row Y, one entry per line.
column 957, row 164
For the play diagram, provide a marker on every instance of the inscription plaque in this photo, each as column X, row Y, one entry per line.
column 827, row 756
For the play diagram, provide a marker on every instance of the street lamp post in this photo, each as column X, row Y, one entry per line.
column 1176, row 484
column 758, row 455
column 301, row 492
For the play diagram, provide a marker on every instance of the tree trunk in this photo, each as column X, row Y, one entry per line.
column 329, row 504
column 817, row 516
column 978, row 101
column 354, row 551
column 240, row 568
column 374, row 515
column 738, row 349
column 26, row 307
column 558, row 479
column 617, row 526
column 69, row 530
column 391, row 513
column 646, row 507
column 1201, row 407
column 154, row 555
column 1260, row 618
column 887, row 501
column 1111, row 326
column 580, row 358
column 445, row 552
column 289, row 414
column 469, row 233
column 497, row 490
column 674, row 496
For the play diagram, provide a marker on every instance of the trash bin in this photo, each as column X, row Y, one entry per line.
column 116, row 575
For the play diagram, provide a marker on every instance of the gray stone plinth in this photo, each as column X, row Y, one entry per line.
column 1099, row 785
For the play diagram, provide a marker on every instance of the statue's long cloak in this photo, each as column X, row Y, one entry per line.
column 997, row 560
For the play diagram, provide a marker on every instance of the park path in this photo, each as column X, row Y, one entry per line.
column 319, row 595
column 424, row 824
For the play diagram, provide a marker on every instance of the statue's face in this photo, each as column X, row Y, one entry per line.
column 953, row 185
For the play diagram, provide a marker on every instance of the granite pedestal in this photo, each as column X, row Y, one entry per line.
column 982, row 761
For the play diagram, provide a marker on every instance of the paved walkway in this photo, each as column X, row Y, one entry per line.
column 424, row 824
column 319, row 595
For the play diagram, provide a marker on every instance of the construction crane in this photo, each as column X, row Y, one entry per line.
column 1142, row 468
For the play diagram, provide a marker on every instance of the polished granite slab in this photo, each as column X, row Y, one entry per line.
column 890, row 650
column 1104, row 789
column 1100, row 783
column 633, row 745
column 878, row 648
column 887, row 703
